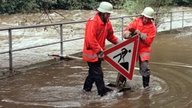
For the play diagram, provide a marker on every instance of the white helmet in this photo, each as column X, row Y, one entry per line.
column 148, row 12
column 105, row 7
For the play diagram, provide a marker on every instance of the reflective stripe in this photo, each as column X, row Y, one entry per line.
column 145, row 54
column 90, row 56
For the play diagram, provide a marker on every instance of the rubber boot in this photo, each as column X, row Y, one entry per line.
column 146, row 81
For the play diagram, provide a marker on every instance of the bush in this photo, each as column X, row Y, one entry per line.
column 18, row 6
column 183, row 2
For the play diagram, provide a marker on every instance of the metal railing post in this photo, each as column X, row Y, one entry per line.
column 122, row 27
column 61, row 39
column 183, row 19
column 171, row 20
column 10, row 52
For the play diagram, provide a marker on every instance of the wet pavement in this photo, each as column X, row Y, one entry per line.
column 59, row 83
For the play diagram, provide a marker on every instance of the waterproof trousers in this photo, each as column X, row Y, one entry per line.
column 145, row 72
column 95, row 75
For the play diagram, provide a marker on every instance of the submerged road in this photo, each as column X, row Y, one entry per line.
column 59, row 83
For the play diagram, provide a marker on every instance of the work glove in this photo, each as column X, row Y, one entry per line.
column 127, row 35
column 143, row 36
column 100, row 54
column 137, row 32
column 130, row 33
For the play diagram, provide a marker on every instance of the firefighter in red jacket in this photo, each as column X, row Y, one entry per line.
column 98, row 29
column 144, row 27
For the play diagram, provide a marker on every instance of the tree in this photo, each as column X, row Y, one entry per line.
column 183, row 2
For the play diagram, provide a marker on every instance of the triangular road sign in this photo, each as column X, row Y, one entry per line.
column 123, row 56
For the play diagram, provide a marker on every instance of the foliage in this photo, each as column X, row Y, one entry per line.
column 132, row 6
column 69, row 4
column 118, row 4
column 183, row 2
column 76, row 4
column 13, row 6
column 136, row 6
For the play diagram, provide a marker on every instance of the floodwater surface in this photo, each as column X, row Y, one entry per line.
column 59, row 84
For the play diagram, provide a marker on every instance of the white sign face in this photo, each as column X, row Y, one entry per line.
column 123, row 56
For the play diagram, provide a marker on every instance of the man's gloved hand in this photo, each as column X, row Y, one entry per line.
column 100, row 54
column 127, row 35
column 143, row 36
column 130, row 33
column 137, row 32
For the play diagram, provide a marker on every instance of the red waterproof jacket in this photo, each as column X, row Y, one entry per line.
column 95, row 35
column 144, row 48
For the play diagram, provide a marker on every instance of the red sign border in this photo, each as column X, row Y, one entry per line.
column 129, row 75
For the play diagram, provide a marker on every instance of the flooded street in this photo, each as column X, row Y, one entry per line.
column 59, row 83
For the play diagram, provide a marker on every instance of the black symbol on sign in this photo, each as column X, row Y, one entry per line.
column 121, row 55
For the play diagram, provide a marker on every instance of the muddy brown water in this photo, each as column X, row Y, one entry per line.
column 59, row 83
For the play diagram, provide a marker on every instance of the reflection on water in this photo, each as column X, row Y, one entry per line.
column 60, row 84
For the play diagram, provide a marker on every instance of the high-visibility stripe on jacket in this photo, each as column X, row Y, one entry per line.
column 144, row 48
column 96, row 33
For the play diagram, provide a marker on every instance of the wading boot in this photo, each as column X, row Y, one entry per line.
column 146, row 81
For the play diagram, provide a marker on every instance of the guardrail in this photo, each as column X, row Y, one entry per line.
column 170, row 21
